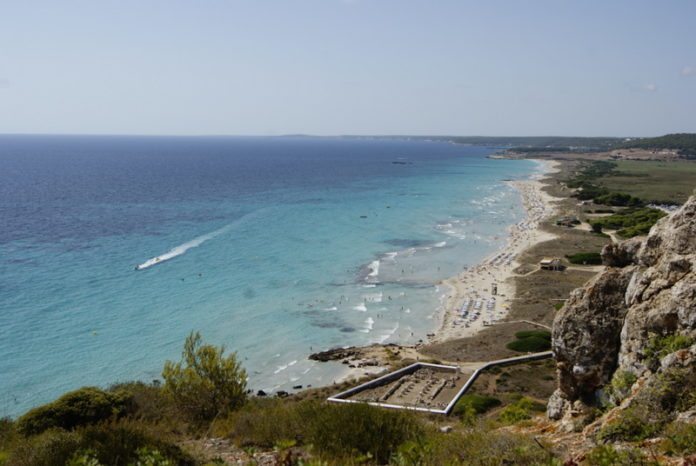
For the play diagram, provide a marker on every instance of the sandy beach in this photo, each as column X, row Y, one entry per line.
column 481, row 295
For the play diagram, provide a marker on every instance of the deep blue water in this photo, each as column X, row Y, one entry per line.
column 272, row 246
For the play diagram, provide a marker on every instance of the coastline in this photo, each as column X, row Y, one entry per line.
column 472, row 285
column 476, row 284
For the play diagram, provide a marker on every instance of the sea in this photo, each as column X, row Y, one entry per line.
column 114, row 248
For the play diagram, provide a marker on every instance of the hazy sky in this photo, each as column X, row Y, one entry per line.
column 459, row 67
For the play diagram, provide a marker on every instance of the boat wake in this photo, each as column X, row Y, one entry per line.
column 182, row 248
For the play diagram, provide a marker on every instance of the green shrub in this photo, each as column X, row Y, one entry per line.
column 127, row 442
column 621, row 383
column 632, row 424
column 516, row 412
column 630, row 222
column 205, row 383
column 149, row 402
column 335, row 432
column 80, row 407
column 618, row 199
column 607, row 455
column 7, row 434
column 479, row 403
column 533, row 333
column 531, row 341
column 264, row 423
column 680, row 439
column 49, row 448
column 658, row 346
column 474, row 447
column 585, row 258
column 341, row 431
column 110, row 443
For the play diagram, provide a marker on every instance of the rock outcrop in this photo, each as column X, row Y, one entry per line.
column 629, row 318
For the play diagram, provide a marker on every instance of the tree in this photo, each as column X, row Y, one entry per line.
column 205, row 383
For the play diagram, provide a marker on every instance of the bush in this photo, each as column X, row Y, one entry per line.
column 585, row 258
column 336, row 432
column 264, row 422
column 341, row 431
column 607, row 455
column 475, row 447
column 621, row 383
column 619, row 200
column 80, row 407
column 110, row 443
column 680, row 439
column 128, row 442
column 49, row 448
column 516, row 412
column 658, row 347
column 479, row 403
column 545, row 334
column 149, row 401
column 630, row 222
column 632, row 424
column 531, row 341
column 205, row 383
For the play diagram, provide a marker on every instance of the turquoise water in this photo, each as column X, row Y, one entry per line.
column 274, row 247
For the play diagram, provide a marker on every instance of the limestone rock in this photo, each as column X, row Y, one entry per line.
column 648, row 290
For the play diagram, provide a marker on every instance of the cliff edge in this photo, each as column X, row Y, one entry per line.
column 625, row 343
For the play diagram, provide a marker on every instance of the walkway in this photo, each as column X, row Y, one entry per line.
column 476, row 367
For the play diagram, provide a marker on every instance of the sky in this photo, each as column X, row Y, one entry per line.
column 331, row 67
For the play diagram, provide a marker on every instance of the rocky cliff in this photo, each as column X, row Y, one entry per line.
column 624, row 344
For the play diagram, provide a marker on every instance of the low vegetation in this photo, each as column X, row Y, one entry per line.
column 152, row 424
column 585, row 258
column 660, row 346
column 684, row 143
column 587, row 188
column 475, row 404
column 531, row 341
column 631, row 222
column 204, row 396
column 655, row 182
column 607, row 455
column 205, row 383
column 75, row 409
column 650, row 412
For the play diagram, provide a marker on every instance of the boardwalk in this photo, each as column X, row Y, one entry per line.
column 474, row 369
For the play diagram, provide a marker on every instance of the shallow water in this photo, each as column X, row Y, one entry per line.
column 275, row 247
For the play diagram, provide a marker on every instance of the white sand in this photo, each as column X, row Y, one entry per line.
column 475, row 285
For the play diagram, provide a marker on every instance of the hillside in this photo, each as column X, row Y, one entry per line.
column 684, row 143
column 625, row 345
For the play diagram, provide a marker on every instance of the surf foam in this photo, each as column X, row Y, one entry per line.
column 182, row 248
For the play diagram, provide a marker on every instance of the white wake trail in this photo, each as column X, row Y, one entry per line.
column 182, row 248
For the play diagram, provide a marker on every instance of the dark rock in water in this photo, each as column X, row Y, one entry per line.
column 260, row 393
column 396, row 162
column 408, row 243
column 334, row 354
column 347, row 330
column 297, row 387
column 363, row 216
column 282, row 394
